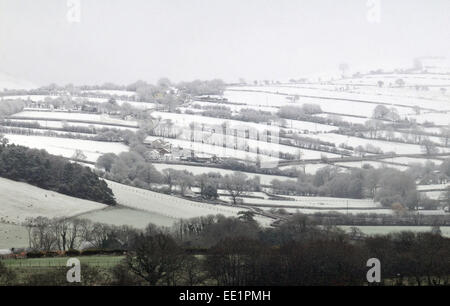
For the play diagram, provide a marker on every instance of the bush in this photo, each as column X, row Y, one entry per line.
column 73, row 253
column 35, row 254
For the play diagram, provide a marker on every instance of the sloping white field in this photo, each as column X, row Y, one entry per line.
column 74, row 116
column 59, row 124
column 264, row 178
column 170, row 206
column 404, row 101
column 385, row 146
column 333, row 106
column 66, row 147
column 20, row 201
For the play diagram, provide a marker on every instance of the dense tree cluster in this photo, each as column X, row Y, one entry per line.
column 43, row 170
column 388, row 185
column 198, row 87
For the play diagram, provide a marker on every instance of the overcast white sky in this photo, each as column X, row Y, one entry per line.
column 125, row 40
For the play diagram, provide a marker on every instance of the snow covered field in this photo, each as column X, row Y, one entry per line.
column 385, row 146
column 95, row 118
column 67, row 147
column 314, row 202
column 119, row 216
column 169, row 206
column 382, row 230
column 308, row 168
column 111, row 92
column 13, row 236
column 375, row 164
column 264, row 178
column 59, row 124
column 410, row 160
column 20, row 201
column 442, row 119
column 406, row 102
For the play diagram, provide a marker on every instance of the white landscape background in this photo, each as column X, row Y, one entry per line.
column 346, row 59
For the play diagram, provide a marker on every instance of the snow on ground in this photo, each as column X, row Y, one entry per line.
column 95, row 118
column 433, row 195
column 170, row 206
column 351, row 119
column 59, row 124
column 111, row 92
column 240, row 142
column 264, row 178
column 220, row 151
column 67, row 147
column 411, row 160
column 407, row 102
column 327, row 105
column 41, row 98
column 331, row 210
column 383, row 230
column 442, row 119
column 422, row 79
column 308, row 168
column 20, row 201
column 385, row 146
column 309, row 126
column 236, row 107
column 433, row 187
column 256, row 98
column 313, row 202
column 119, row 216
column 186, row 119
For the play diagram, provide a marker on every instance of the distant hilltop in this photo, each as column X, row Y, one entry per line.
column 432, row 64
column 10, row 82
